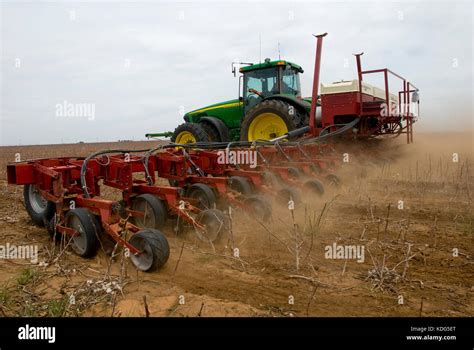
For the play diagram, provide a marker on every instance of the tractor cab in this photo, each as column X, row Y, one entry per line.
column 268, row 79
column 261, row 111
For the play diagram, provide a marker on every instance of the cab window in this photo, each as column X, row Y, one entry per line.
column 290, row 81
column 262, row 80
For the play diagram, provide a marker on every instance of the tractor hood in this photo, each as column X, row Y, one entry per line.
column 216, row 108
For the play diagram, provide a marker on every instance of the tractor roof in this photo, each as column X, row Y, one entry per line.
column 268, row 64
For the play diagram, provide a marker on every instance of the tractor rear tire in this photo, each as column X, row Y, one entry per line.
column 270, row 119
column 189, row 133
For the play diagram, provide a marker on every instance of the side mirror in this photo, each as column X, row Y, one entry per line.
column 241, row 98
column 415, row 97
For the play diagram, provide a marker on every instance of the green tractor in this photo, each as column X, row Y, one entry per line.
column 269, row 106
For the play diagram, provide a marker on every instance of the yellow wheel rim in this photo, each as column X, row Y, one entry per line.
column 266, row 126
column 185, row 137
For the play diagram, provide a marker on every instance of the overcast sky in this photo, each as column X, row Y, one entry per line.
column 140, row 64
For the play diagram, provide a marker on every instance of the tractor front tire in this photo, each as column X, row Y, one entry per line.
column 215, row 129
column 211, row 132
column 189, row 133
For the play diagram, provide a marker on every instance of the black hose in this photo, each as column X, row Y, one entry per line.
column 339, row 131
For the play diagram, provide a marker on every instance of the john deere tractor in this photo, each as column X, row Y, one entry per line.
column 269, row 105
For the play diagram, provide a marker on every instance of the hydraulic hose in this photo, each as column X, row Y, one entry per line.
column 93, row 155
